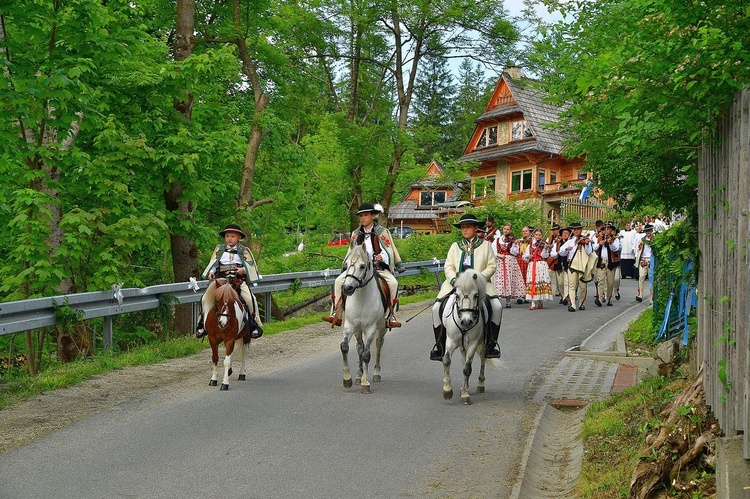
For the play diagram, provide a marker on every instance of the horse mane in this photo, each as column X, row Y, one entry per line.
column 360, row 250
column 225, row 292
column 466, row 282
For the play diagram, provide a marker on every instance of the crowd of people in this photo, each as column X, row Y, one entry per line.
column 533, row 268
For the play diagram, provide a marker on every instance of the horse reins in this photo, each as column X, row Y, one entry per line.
column 362, row 283
column 473, row 311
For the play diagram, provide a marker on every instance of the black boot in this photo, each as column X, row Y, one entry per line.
column 200, row 331
column 491, row 348
column 255, row 330
column 439, row 349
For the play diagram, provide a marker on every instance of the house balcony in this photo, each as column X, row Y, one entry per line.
column 559, row 190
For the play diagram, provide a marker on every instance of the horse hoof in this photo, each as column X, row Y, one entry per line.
column 364, row 389
column 213, row 382
column 376, row 377
column 230, row 371
column 241, row 377
column 357, row 381
column 447, row 395
column 224, row 387
column 480, row 389
column 466, row 400
column 348, row 383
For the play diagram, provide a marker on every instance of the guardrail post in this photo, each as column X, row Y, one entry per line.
column 107, row 330
column 194, row 317
column 268, row 307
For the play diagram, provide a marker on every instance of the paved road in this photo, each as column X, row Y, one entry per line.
column 297, row 433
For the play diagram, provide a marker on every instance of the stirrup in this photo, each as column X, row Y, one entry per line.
column 392, row 322
column 336, row 321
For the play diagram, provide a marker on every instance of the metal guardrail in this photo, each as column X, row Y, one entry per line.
column 26, row 315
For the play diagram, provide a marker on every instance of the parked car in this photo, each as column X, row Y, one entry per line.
column 402, row 232
column 340, row 239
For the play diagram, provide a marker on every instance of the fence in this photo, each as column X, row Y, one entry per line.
column 37, row 313
column 723, row 308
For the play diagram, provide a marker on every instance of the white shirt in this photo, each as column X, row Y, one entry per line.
column 628, row 243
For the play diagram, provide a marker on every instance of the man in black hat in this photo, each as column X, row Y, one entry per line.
column 235, row 257
column 490, row 231
column 470, row 252
column 607, row 251
column 643, row 256
column 577, row 250
column 379, row 245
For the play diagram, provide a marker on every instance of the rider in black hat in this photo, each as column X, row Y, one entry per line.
column 233, row 257
column 470, row 252
column 379, row 245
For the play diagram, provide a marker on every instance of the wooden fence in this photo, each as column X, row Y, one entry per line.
column 723, row 309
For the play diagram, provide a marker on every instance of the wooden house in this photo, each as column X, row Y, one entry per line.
column 520, row 159
column 427, row 204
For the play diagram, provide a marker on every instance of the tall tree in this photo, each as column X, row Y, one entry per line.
column 645, row 80
column 433, row 97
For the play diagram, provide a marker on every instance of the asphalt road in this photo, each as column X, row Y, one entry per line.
column 297, row 432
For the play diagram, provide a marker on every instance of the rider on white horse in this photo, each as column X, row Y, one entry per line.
column 471, row 252
column 233, row 256
column 379, row 246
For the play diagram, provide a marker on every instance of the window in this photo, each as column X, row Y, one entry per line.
column 520, row 130
column 484, row 186
column 431, row 198
column 582, row 175
column 521, row 180
column 488, row 137
column 552, row 177
column 541, row 174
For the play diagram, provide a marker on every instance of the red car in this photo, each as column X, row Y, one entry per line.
column 340, row 239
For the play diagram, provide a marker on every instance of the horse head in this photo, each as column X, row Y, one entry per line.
column 359, row 271
column 226, row 304
column 470, row 293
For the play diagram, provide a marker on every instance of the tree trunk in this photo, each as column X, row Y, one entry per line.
column 184, row 251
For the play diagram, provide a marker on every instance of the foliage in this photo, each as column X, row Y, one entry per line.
column 673, row 249
column 645, row 81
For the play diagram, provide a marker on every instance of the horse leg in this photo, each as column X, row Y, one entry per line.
column 243, row 351
column 480, row 383
column 227, row 365
column 360, row 353
column 214, row 362
column 378, row 351
column 450, row 347
column 468, row 357
column 364, row 386
column 345, row 356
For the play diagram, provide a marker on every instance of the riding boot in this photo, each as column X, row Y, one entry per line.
column 200, row 331
column 439, row 349
column 491, row 349
column 255, row 330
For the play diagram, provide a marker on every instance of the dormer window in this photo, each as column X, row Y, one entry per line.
column 521, row 130
column 488, row 137
column 431, row 198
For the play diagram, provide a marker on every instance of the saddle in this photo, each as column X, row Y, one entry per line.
column 385, row 298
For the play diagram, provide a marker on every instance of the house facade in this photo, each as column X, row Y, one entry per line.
column 520, row 159
column 427, row 204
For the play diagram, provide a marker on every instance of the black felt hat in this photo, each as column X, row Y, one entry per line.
column 233, row 228
column 466, row 219
column 367, row 208
column 576, row 225
column 648, row 227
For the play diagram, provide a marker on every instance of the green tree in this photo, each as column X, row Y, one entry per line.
column 645, row 80
column 433, row 96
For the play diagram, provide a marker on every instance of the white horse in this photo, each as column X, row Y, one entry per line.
column 464, row 326
column 364, row 317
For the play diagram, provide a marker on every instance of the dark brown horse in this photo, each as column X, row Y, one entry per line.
column 226, row 323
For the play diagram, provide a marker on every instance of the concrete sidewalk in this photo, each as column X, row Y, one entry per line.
column 552, row 458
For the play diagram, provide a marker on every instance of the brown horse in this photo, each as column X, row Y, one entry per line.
column 227, row 324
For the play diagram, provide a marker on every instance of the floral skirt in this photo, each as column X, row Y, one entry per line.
column 508, row 280
column 539, row 284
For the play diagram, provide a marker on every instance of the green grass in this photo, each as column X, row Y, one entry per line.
column 21, row 386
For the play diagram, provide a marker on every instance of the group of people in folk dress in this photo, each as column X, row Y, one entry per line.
column 532, row 268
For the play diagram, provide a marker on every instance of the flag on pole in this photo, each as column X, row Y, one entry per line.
column 587, row 188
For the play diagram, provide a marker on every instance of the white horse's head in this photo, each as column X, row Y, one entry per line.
column 470, row 293
column 359, row 271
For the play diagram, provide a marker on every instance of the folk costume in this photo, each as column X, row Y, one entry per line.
column 538, row 285
column 628, row 243
column 523, row 264
column 576, row 250
column 507, row 279
column 607, row 251
column 491, row 232
column 557, row 279
column 643, row 256
column 462, row 255
column 378, row 243
column 225, row 259
column 560, row 266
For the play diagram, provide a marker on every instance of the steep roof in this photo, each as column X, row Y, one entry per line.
column 527, row 99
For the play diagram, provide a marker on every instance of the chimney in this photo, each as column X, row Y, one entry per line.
column 513, row 71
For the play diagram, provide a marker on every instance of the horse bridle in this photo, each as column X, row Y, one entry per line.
column 474, row 311
column 362, row 283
